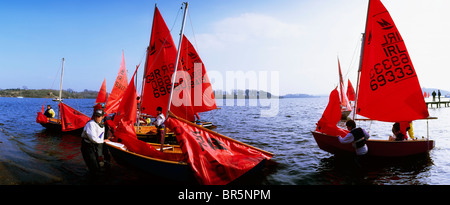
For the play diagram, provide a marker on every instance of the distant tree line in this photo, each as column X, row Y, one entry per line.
column 47, row 93
column 242, row 94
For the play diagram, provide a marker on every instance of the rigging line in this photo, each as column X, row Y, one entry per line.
column 176, row 18
column 353, row 56
column 193, row 32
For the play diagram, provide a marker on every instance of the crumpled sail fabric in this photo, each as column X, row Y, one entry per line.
column 331, row 116
column 120, row 85
column 214, row 158
column 389, row 89
column 72, row 119
column 41, row 118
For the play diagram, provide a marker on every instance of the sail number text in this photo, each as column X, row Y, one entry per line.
column 392, row 69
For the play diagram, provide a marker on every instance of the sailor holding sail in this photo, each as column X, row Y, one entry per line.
column 93, row 148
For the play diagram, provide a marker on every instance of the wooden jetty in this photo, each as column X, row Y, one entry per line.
column 438, row 104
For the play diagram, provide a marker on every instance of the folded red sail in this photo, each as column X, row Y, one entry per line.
column 389, row 88
column 160, row 64
column 120, row 85
column 72, row 119
column 41, row 118
column 214, row 158
column 331, row 116
column 101, row 96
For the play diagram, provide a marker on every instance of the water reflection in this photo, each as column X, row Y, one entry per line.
column 344, row 170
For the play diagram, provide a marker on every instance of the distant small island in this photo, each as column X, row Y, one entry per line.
column 47, row 93
column 300, row 96
column 255, row 94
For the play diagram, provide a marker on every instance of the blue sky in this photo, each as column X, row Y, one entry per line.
column 298, row 39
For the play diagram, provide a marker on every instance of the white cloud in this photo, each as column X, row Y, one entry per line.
column 248, row 28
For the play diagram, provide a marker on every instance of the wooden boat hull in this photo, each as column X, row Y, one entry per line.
column 377, row 148
column 54, row 125
column 174, row 170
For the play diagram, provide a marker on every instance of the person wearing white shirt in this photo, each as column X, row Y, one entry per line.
column 95, row 153
column 159, row 124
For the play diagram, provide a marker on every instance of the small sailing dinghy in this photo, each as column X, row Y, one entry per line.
column 346, row 109
column 68, row 119
column 388, row 90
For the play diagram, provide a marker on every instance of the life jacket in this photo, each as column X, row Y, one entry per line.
column 358, row 134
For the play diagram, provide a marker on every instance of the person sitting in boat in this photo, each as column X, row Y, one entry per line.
column 406, row 127
column 159, row 123
column 50, row 113
column 356, row 136
column 398, row 134
column 93, row 148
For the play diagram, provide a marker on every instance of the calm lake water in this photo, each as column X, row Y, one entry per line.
column 30, row 155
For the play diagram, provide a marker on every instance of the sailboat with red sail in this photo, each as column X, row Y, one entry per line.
column 68, row 119
column 102, row 96
column 388, row 89
column 346, row 109
column 118, row 90
column 201, row 150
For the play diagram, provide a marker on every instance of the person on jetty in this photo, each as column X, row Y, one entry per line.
column 93, row 148
column 356, row 136
column 50, row 113
column 159, row 124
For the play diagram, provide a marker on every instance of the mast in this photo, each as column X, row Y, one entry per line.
column 359, row 74
column 361, row 62
column 174, row 75
column 60, row 87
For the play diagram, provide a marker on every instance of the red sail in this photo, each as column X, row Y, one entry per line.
column 101, row 96
column 214, row 158
column 41, row 118
column 120, row 85
column 160, row 64
column 331, row 116
column 71, row 119
column 344, row 101
column 202, row 97
column 389, row 88
column 350, row 91
column 127, row 109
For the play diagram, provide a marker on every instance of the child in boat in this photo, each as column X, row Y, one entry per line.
column 159, row 123
column 398, row 135
column 49, row 112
